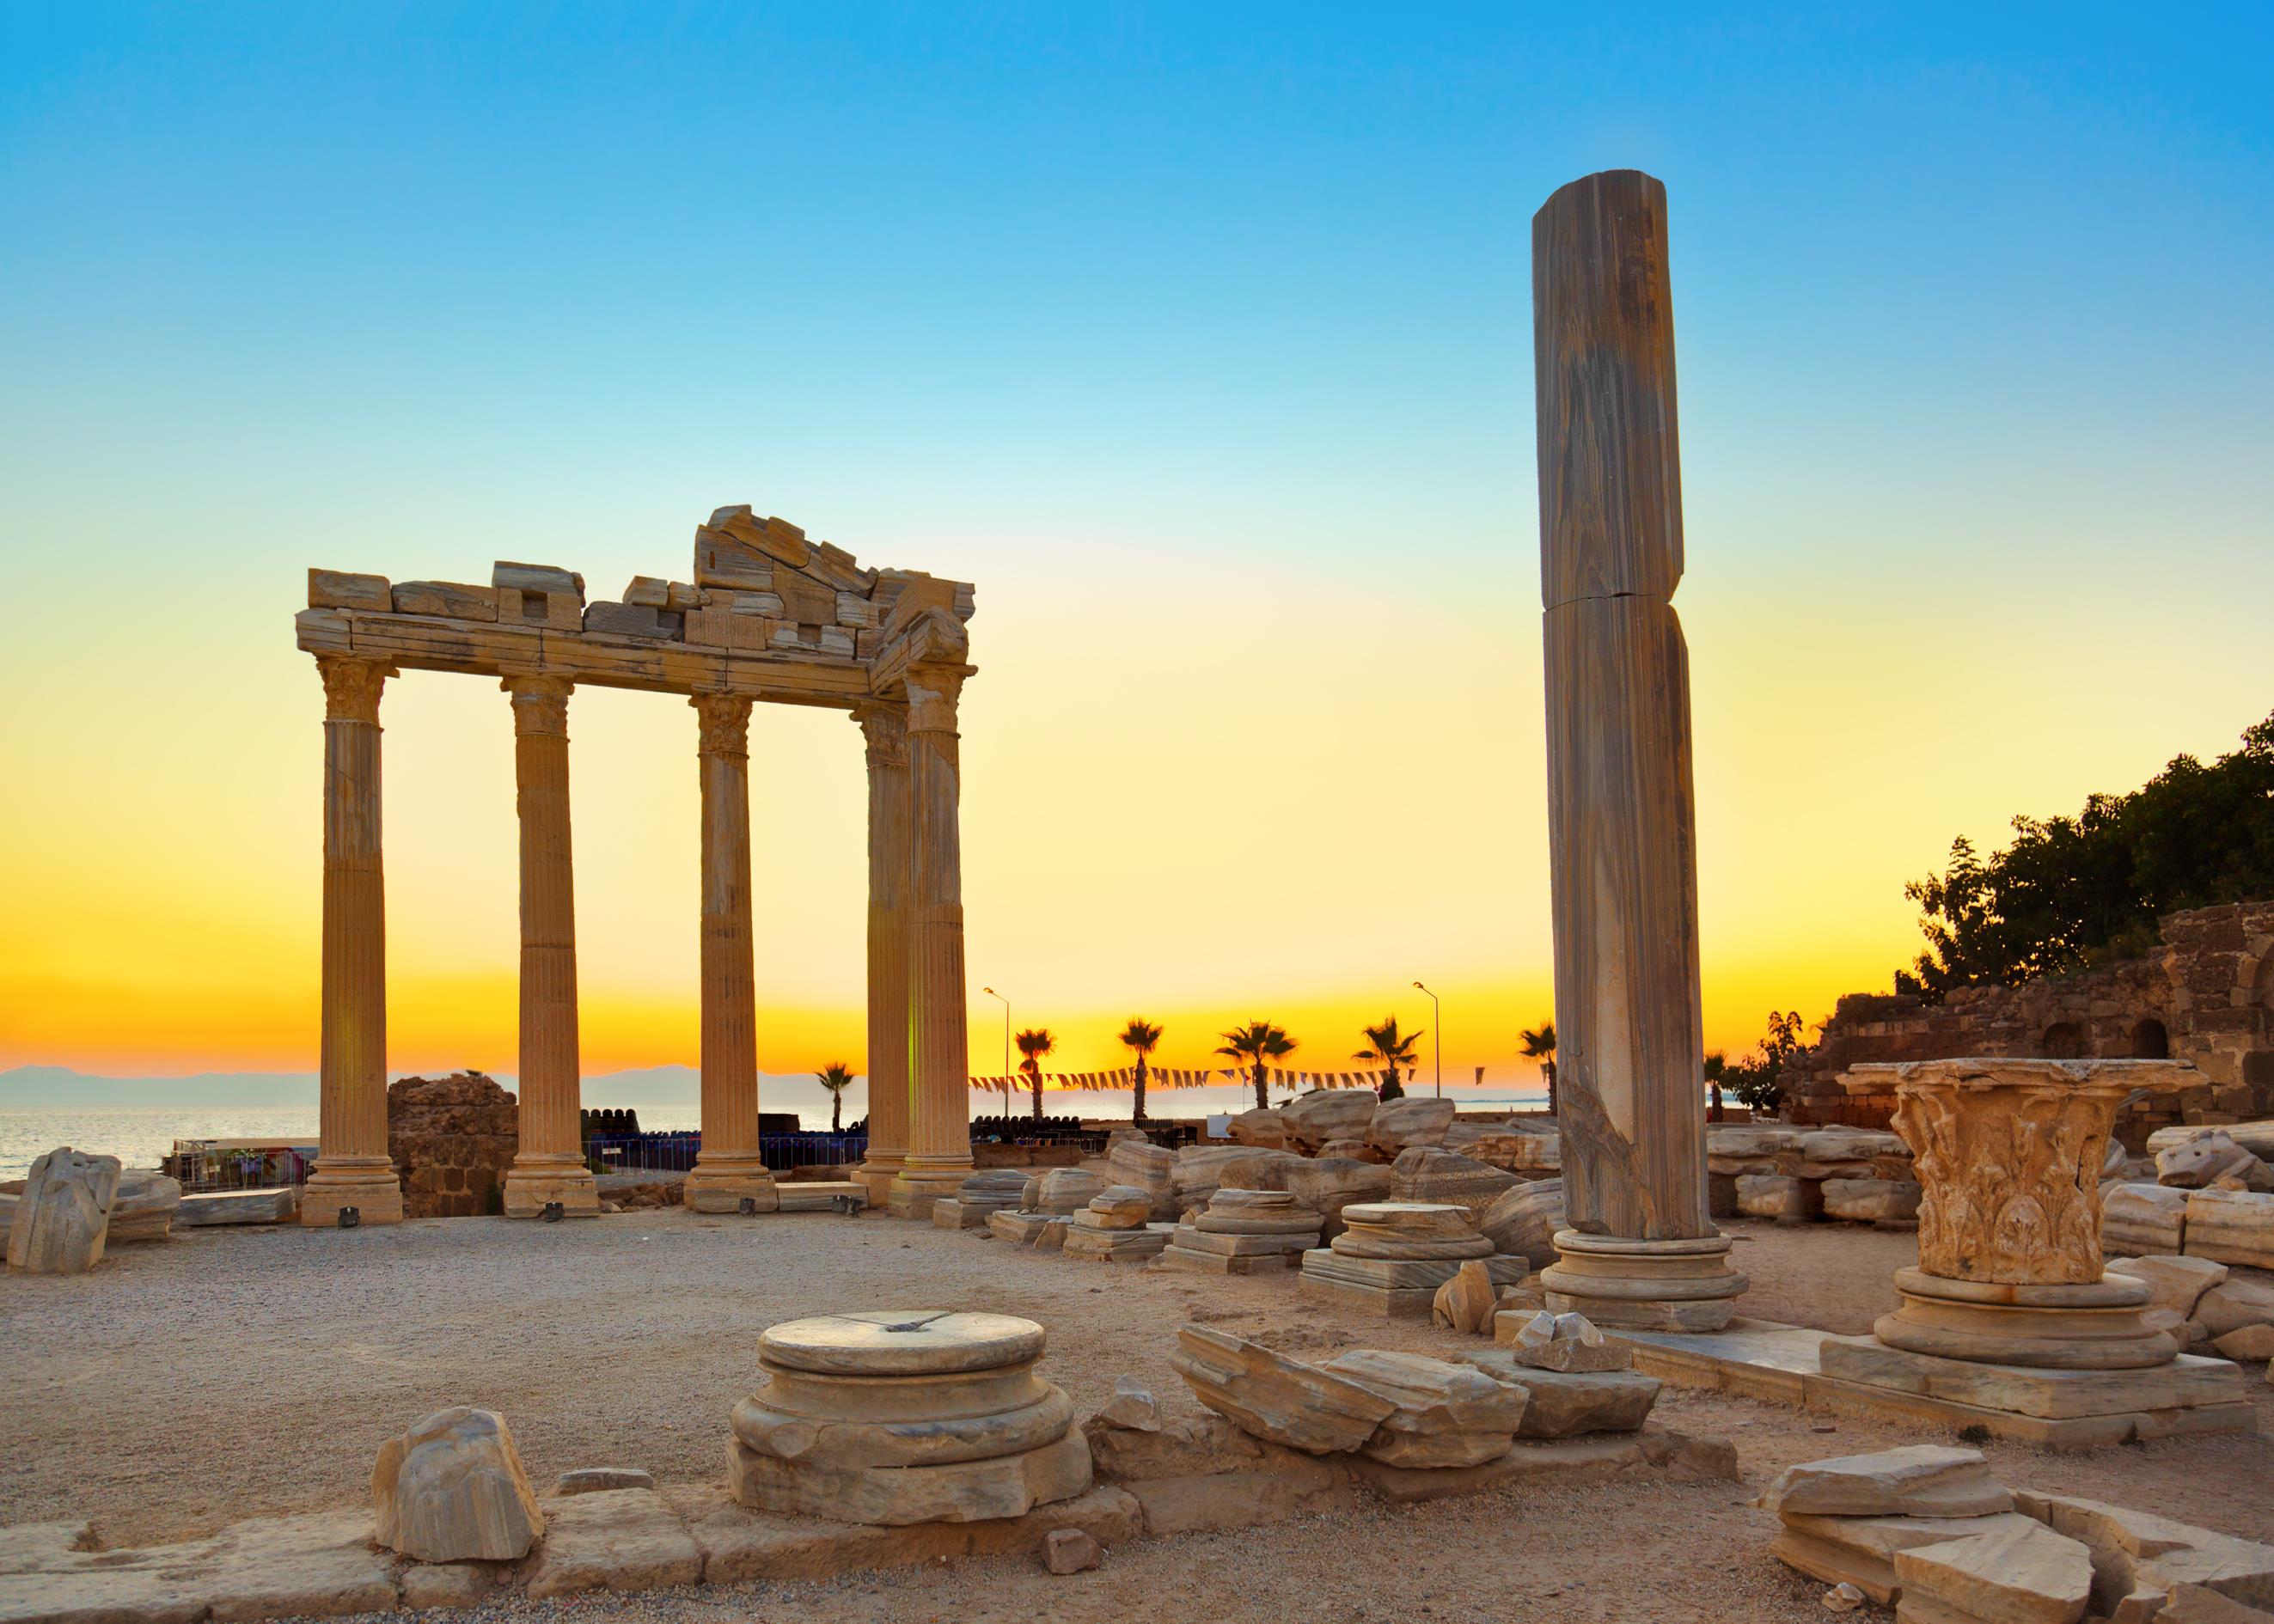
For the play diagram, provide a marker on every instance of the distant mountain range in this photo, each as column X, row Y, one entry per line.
column 672, row 1087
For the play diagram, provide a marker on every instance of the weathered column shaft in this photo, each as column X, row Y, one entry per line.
column 549, row 1165
column 353, row 1169
column 729, row 1168
column 939, row 1125
column 1622, row 823
column 884, row 726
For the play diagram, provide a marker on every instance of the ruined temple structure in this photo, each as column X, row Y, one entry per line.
column 452, row 1141
column 769, row 615
column 2206, row 996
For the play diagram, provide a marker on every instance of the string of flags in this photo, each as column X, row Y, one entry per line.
column 1179, row 1077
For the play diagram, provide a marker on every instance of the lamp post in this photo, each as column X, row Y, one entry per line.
column 991, row 993
column 1439, row 1017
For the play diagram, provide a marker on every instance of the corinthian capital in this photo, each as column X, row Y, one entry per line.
column 933, row 691
column 725, row 721
column 540, row 705
column 885, row 725
column 351, row 686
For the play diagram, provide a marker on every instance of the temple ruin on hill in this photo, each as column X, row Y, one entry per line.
column 769, row 615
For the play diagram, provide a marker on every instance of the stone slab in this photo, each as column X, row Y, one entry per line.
column 739, row 1543
column 818, row 1195
column 1396, row 1303
column 1763, row 1359
column 214, row 1208
column 726, row 1195
column 615, row 1540
column 314, row 1565
column 1861, row 1551
column 2189, row 1382
column 1183, row 1260
column 1654, row 1452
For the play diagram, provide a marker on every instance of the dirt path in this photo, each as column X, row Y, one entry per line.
column 231, row 1374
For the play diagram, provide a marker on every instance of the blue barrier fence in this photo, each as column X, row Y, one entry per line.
column 675, row 1153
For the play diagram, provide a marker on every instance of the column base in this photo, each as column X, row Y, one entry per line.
column 532, row 1184
column 1676, row 1285
column 876, row 1175
column 368, row 1184
column 721, row 1184
column 2095, row 1325
column 915, row 1188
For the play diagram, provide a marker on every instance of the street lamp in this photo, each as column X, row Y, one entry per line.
column 1440, row 1019
column 991, row 993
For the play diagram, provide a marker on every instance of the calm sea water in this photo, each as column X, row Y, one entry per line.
column 140, row 1136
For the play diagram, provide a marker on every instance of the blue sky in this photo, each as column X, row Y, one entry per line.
column 1198, row 336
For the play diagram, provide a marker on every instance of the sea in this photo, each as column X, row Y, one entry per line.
column 139, row 1136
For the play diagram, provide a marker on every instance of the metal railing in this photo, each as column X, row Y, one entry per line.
column 201, row 1165
column 675, row 1153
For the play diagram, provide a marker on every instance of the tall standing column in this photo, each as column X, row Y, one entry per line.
column 1641, row 1250
column 353, row 1169
column 939, row 1124
column 550, row 1165
column 729, row 1169
column 885, row 725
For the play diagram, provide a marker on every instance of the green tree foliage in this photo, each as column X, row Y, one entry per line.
column 1259, row 1042
column 1757, row 1080
column 2072, row 892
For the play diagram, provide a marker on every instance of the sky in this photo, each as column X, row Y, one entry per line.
column 1199, row 338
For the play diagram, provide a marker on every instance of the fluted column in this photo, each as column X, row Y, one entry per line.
column 353, row 1169
column 885, row 725
column 1642, row 1251
column 729, row 1169
column 940, row 1117
column 550, row 1164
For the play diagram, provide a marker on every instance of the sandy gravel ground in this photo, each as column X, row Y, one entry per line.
column 236, row 1372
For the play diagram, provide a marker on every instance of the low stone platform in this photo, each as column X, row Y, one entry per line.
column 209, row 1209
column 1856, row 1375
column 1400, row 1287
column 818, row 1195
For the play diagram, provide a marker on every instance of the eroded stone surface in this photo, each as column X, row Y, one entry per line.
column 902, row 1342
column 1283, row 1400
column 1917, row 1480
column 63, row 1217
column 615, row 1540
column 1565, row 1343
column 1467, row 1302
column 453, row 1489
column 2173, row 1283
column 1562, row 1405
column 1446, row 1415
column 2012, row 1575
column 957, row 1491
column 1524, row 1219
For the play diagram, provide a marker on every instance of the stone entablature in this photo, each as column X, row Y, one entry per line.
column 2206, row 996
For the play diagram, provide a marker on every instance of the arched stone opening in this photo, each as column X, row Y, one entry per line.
column 2064, row 1040
column 2149, row 1041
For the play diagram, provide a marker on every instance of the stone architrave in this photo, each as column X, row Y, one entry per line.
column 549, row 1165
column 352, row 1169
column 885, row 728
column 1622, row 822
column 939, row 1129
column 729, row 1169
column 2010, row 1270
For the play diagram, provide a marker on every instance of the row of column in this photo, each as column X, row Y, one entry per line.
column 919, row 1146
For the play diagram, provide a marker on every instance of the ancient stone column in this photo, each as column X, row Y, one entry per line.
column 728, row 1170
column 2009, row 1154
column 1641, row 1251
column 353, row 1169
column 939, row 1124
column 884, row 725
column 550, row 1165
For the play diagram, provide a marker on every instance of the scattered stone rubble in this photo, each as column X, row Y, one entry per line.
column 1243, row 1232
column 979, row 1198
column 1929, row 1530
column 1116, row 1227
column 1392, row 1256
column 1802, row 1175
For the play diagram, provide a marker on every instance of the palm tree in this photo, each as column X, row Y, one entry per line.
column 836, row 1076
column 1139, row 1037
column 1034, row 1043
column 1539, row 1044
column 1386, row 1044
column 1256, row 1042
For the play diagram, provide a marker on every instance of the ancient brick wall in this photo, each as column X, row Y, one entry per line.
column 2206, row 995
column 451, row 1139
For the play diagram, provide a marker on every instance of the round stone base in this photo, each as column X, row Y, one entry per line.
column 720, row 1186
column 1674, row 1285
column 2060, row 1326
column 531, row 1185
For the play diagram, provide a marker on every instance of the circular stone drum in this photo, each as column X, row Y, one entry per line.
column 895, row 1417
column 2094, row 1326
